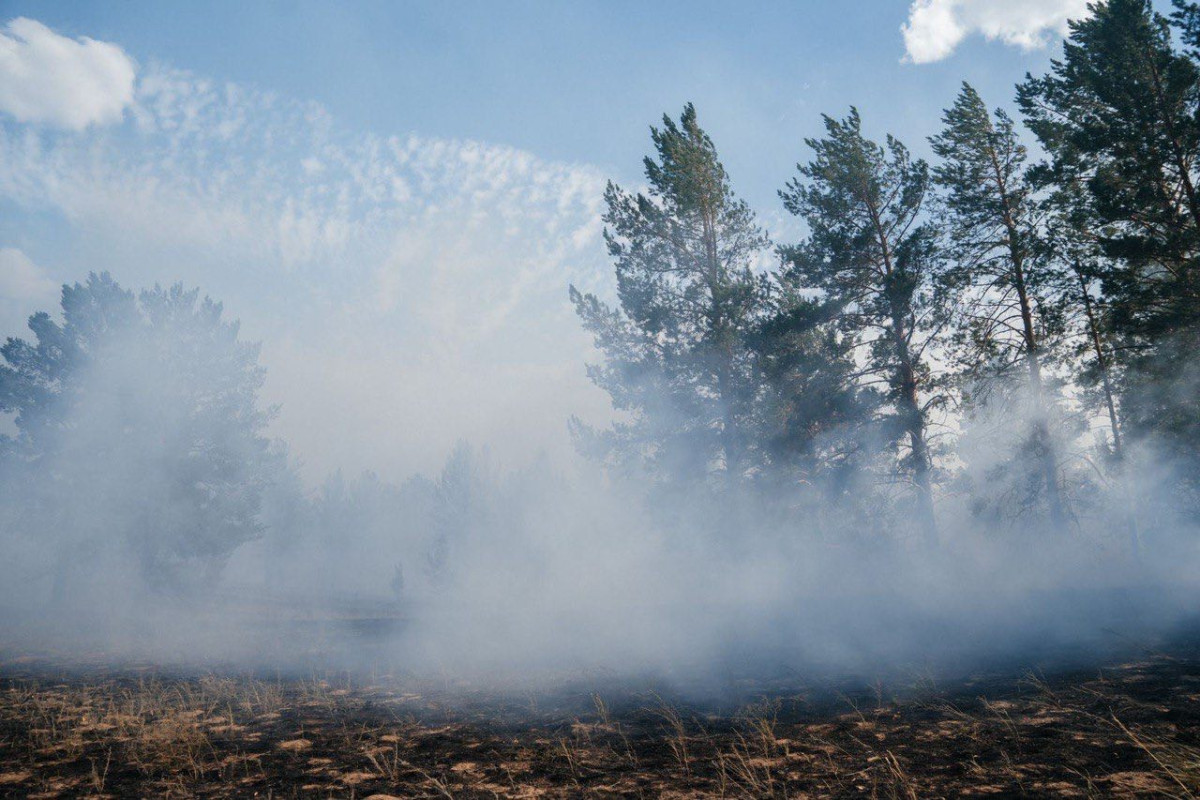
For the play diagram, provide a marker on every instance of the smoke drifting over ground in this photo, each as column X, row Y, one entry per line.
column 128, row 540
column 795, row 473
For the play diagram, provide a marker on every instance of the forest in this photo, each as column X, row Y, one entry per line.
column 995, row 343
column 853, row 480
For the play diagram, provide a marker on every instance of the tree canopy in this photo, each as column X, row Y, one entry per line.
column 139, row 429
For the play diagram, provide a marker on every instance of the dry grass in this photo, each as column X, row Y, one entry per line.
column 1127, row 732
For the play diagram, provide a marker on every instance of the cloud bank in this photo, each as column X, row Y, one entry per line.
column 935, row 28
column 52, row 79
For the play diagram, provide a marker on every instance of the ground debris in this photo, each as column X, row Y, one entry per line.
column 1129, row 730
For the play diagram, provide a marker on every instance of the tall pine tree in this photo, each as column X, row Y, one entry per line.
column 1120, row 116
column 872, row 257
column 1005, row 292
column 676, row 353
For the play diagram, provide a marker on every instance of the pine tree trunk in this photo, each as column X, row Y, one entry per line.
column 729, row 443
column 1102, row 363
column 914, row 417
column 914, row 423
column 1041, row 429
column 1113, row 421
column 922, row 475
column 729, row 434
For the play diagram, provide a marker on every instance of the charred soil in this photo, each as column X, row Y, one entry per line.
column 90, row 728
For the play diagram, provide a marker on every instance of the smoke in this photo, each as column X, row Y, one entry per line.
column 496, row 570
column 155, row 504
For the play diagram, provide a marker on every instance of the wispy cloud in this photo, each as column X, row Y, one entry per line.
column 935, row 28
column 69, row 83
column 24, row 286
column 21, row 279
column 366, row 263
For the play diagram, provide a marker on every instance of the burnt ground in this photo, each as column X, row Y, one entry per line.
column 85, row 728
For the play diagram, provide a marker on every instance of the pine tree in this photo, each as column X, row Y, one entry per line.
column 1120, row 116
column 1098, row 374
column 872, row 257
column 675, row 350
column 1004, row 293
column 1070, row 239
column 140, row 435
column 816, row 414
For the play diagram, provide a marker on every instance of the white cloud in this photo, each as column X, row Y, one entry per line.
column 936, row 27
column 423, row 279
column 48, row 78
column 24, row 288
column 23, row 280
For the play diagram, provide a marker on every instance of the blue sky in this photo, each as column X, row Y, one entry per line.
column 393, row 196
column 573, row 81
